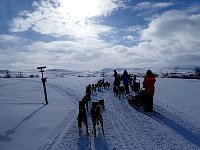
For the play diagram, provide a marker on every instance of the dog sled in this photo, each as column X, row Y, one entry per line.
column 138, row 101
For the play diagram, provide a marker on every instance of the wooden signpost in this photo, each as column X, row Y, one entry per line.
column 44, row 80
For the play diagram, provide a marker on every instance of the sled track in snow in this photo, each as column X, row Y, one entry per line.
column 159, row 129
column 126, row 138
column 59, row 132
column 138, row 130
column 129, row 128
column 135, row 123
column 68, row 126
column 66, row 92
column 65, row 125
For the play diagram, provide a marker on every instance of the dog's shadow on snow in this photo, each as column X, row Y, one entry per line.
column 100, row 142
column 83, row 142
column 6, row 137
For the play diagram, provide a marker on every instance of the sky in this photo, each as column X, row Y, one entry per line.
column 97, row 34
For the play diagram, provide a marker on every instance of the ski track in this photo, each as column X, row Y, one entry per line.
column 64, row 126
column 137, row 130
column 125, row 128
column 66, row 92
column 68, row 127
column 126, row 138
column 159, row 129
column 59, row 131
column 129, row 127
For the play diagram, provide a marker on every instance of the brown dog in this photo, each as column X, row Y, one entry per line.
column 116, row 91
column 96, row 114
column 121, row 91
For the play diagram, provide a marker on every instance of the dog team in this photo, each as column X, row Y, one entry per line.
column 142, row 98
column 96, row 110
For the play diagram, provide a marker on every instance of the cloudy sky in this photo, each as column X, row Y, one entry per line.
column 97, row 34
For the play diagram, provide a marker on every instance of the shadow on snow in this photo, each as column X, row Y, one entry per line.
column 180, row 129
column 6, row 137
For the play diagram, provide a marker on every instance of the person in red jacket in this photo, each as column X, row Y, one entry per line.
column 148, row 84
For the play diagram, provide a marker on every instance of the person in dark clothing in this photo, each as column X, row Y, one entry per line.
column 115, row 74
column 126, row 80
column 136, row 85
column 148, row 84
column 117, row 81
column 88, row 89
column 134, row 78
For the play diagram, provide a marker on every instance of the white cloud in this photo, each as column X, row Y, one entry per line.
column 171, row 35
column 152, row 5
column 128, row 37
column 63, row 54
column 151, row 9
column 174, row 26
column 6, row 39
column 170, row 39
column 65, row 17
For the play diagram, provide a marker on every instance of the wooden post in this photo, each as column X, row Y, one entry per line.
column 44, row 80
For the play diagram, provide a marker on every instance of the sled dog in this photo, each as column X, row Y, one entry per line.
column 121, row 91
column 82, row 117
column 116, row 91
column 96, row 114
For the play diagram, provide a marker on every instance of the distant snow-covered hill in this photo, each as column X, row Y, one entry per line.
column 120, row 70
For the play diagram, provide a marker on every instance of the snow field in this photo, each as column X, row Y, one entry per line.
column 28, row 124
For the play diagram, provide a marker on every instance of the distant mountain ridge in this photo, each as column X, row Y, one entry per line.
column 55, row 71
column 131, row 70
column 3, row 71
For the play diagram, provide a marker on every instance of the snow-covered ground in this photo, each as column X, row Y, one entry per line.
column 27, row 124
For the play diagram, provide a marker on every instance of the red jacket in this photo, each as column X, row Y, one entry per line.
column 148, row 84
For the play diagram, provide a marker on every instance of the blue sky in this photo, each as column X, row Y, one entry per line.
column 97, row 34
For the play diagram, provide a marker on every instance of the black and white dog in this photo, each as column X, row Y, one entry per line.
column 96, row 114
column 82, row 117
column 119, row 91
